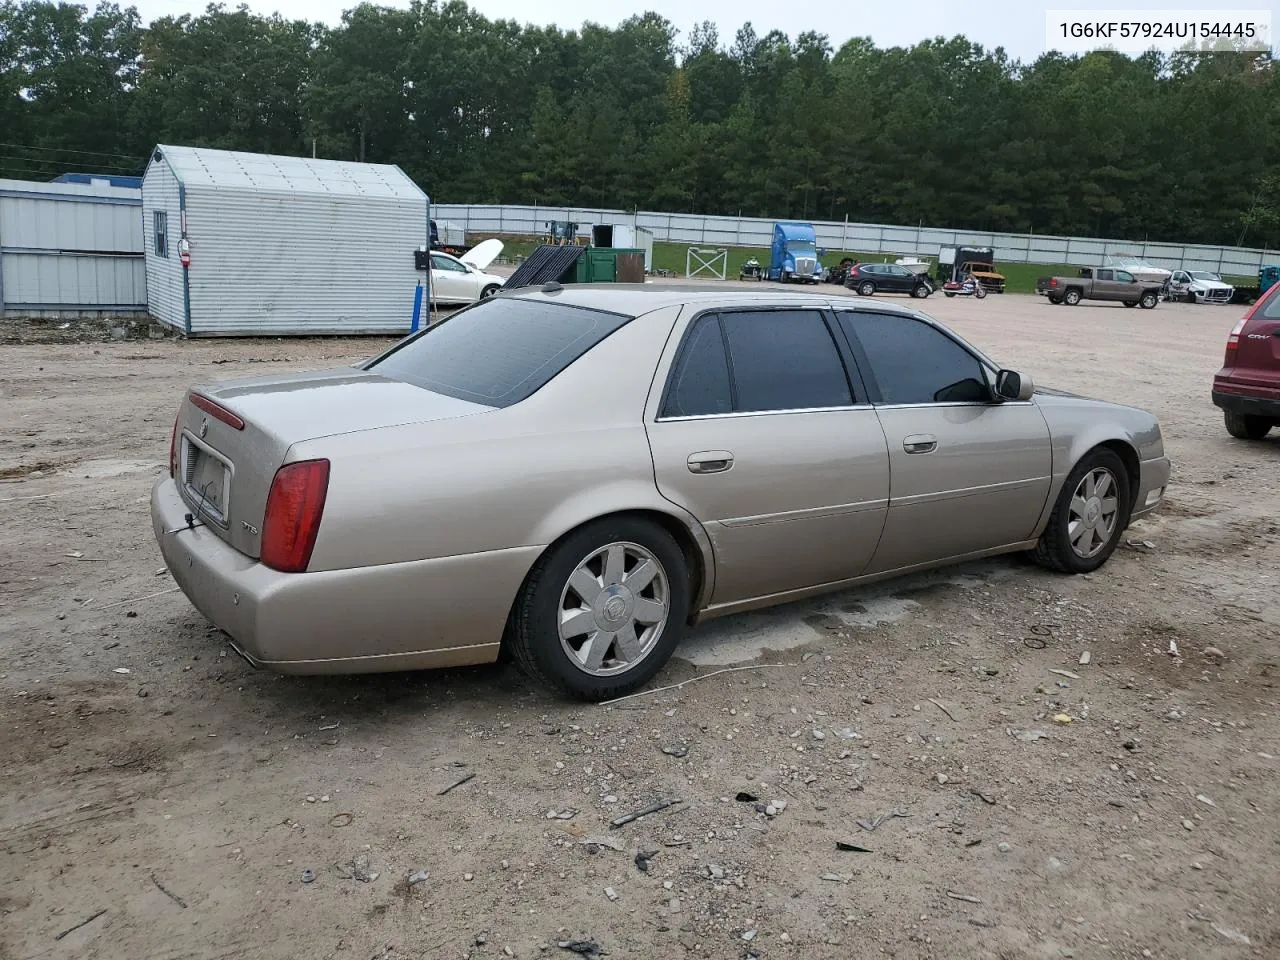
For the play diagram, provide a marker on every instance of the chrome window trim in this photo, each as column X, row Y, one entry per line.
column 766, row 413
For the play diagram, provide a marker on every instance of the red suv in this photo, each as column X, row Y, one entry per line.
column 1247, row 388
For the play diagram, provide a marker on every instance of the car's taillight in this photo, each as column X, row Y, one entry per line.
column 173, row 446
column 294, row 508
column 1053, row 282
column 217, row 411
column 1233, row 338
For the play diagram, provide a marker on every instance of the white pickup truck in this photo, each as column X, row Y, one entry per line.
column 1199, row 286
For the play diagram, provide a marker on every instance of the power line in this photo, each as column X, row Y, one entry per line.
column 36, row 163
column 87, row 153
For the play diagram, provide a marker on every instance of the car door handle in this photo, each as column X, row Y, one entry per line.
column 710, row 461
column 920, row 443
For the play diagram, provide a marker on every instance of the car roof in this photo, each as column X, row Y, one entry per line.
column 633, row 299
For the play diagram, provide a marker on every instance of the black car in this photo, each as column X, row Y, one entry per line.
column 871, row 278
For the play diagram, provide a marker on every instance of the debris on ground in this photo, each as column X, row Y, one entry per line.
column 601, row 841
column 982, row 796
column 849, row 847
column 642, row 859
column 962, row 896
column 654, row 807
column 1235, row 936
column 585, row 948
column 1085, row 658
column 417, row 877
column 1063, row 718
column 308, row 876
column 675, row 750
column 1066, row 673
column 1032, row 735
column 611, row 894
column 457, row 783
column 358, row 867
column 874, row 822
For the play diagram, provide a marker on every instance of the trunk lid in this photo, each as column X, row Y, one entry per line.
column 224, row 471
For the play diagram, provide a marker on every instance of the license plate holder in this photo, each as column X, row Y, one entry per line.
column 207, row 481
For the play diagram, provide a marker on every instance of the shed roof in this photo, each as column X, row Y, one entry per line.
column 202, row 166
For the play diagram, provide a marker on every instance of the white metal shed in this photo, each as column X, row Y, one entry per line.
column 279, row 245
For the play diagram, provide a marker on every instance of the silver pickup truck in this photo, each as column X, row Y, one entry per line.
column 1100, row 283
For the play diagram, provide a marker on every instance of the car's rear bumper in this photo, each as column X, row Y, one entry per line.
column 1259, row 402
column 1153, row 478
column 397, row 616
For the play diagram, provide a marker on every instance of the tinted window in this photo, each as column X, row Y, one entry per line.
column 1269, row 309
column 700, row 380
column 1104, row 274
column 914, row 363
column 784, row 360
column 499, row 352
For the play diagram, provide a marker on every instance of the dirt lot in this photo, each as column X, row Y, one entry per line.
column 156, row 783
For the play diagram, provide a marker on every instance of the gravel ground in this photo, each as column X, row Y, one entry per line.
column 193, row 807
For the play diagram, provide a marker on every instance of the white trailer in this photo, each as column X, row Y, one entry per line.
column 245, row 244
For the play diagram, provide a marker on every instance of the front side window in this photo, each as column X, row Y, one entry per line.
column 498, row 352
column 160, row 238
column 445, row 263
column 1124, row 276
column 913, row 362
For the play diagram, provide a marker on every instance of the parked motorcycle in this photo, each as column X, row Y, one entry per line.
column 969, row 287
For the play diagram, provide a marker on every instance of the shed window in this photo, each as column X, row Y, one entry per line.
column 161, row 233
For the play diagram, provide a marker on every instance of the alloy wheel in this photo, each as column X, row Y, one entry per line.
column 613, row 609
column 1094, row 511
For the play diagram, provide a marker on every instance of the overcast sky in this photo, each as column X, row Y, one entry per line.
column 1017, row 25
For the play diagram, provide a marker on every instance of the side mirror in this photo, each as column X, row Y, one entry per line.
column 1011, row 385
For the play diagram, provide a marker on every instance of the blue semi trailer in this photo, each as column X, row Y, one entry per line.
column 795, row 253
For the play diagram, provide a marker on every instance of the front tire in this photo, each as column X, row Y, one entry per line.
column 866, row 288
column 1090, row 516
column 602, row 611
column 920, row 291
column 1242, row 426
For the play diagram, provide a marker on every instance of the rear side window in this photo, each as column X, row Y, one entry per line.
column 1269, row 309
column 913, row 362
column 700, row 381
column 756, row 361
column 498, row 352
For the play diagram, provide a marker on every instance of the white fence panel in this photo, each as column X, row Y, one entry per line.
column 837, row 236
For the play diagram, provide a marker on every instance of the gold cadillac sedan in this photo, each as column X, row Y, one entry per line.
column 577, row 475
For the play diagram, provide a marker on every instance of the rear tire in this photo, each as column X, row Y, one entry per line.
column 1149, row 301
column 866, row 288
column 1078, row 521
column 1071, row 298
column 1057, row 301
column 1245, row 427
column 609, row 560
column 1131, row 303
column 489, row 291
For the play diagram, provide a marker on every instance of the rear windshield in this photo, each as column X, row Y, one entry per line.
column 497, row 352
